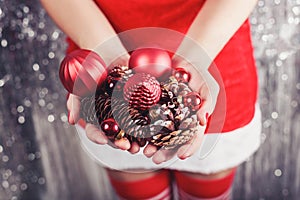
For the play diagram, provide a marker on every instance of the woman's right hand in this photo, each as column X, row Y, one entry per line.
column 93, row 132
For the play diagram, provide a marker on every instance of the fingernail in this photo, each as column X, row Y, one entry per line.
column 101, row 141
column 160, row 159
column 149, row 153
column 185, row 156
column 125, row 147
column 69, row 118
column 204, row 120
column 67, row 96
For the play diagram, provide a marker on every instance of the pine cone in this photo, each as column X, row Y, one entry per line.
column 95, row 109
column 88, row 111
column 173, row 124
column 130, row 119
column 169, row 140
column 117, row 71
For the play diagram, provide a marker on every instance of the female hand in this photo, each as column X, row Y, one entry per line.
column 208, row 89
column 92, row 131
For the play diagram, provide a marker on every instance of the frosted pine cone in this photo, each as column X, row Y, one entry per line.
column 171, row 139
column 174, row 123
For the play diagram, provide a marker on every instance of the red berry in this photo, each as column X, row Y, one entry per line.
column 110, row 127
column 182, row 75
column 192, row 100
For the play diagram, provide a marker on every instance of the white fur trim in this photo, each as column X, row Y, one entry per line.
column 218, row 151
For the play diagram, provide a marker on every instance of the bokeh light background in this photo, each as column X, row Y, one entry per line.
column 40, row 154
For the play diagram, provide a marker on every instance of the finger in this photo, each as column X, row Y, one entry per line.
column 134, row 148
column 73, row 105
column 163, row 155
column 95, row 135
column 205, row 108
column 150, row 150
column 190, row 148
column 123, row 143
column 203, row 113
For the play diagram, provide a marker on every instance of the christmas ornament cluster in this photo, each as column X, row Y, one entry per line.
column 147, row 101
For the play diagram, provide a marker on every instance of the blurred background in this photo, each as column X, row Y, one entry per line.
column 40, row 153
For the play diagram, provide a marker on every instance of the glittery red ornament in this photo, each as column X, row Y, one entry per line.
column 110, row 127
column 81, row 71
column 152, row 61
column 142, row 91
column 192, row 100
column 181, row 75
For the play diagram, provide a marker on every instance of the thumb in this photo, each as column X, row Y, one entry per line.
column 73, row 105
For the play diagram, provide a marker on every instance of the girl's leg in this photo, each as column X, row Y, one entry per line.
column 215, row 186
column 151, row 185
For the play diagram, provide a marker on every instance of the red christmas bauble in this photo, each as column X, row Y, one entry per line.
column 156, row 62
column 192, row 100
column 142, row 91
column 81, row 71
column 110, row 127
column 112, row 83
column 182, row 75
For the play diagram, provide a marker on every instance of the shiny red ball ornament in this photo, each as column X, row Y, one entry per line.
column 81, row 71
column 112, row 84
column 181, row 75
column 110, row 127
column 156, row 62
column 142, row 91
column 192, row 100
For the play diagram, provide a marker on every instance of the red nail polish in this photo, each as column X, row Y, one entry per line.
column 69, row 119
column 183, row 158
column 67, row 96
column 206, row 116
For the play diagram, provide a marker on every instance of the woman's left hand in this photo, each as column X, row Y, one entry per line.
column 207, row 89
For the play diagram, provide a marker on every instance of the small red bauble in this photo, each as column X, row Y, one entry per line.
column 142, row 91
column 81, row 71
column 110, row 127
column 112, row 83
column 182, row 75
column 192, row 100
column 156, row 62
